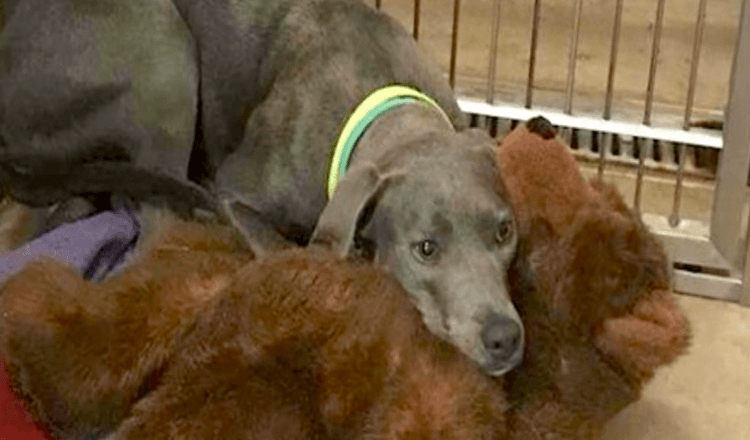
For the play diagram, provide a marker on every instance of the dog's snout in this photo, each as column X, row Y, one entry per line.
column 501, row 337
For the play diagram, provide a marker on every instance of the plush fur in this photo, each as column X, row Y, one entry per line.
column 194, row 341
column 602, row 318
column 82, row 352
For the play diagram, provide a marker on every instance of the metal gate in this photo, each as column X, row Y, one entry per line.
column 710, row 256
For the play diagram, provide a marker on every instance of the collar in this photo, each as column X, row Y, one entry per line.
column 377, row 103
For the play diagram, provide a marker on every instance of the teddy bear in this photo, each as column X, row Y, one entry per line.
column 602, row 317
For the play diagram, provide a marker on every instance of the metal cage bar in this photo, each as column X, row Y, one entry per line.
column 731, row 180
column 415, row 26
column 639, row 144
column 493, row 52
column 613, row 60
column 606, row 144
column 454, row 44
column 653, row 63
column 704, row 138
column 674, row 217
column 532, row 52
column 698, row 39
column 573, row 56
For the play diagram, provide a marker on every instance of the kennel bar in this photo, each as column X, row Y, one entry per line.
column 493, row 51
column 573, row 57
column 415, row 25
column 608, row 95
column 592, row 122
column 654, row 62
column 454, row 43
column 532, row 52
column 694, row 61
column 612, row 62
column 674, row 218
column 640, row 145
column 731, row 181
column 603, row 155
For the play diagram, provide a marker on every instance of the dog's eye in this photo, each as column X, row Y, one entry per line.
column 504, row 231
column 426, row 250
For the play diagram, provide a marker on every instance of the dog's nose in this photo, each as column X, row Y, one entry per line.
column 502, row 338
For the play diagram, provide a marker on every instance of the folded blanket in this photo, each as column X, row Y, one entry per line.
column 95, row 245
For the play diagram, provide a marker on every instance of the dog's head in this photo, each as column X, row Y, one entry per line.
column 438, row 221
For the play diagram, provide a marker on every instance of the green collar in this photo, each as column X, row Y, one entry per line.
column 376, row 104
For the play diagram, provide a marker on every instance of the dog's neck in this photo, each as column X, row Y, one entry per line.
column 409, row 123
column 372, row 111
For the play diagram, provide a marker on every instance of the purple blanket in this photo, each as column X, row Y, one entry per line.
column 94, row 245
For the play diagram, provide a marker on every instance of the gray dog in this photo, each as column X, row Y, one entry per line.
column 279, row 93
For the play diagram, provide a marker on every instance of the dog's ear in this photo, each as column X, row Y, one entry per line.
column 350, row 207
column 257, row 234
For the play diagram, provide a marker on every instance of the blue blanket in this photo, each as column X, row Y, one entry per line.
column 95, row 245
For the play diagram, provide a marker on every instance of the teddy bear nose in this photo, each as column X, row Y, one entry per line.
column 501, row 337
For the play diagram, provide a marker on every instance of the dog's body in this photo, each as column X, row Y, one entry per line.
column 193, row 341
column 277, row 80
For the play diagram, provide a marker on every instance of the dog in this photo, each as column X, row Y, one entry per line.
column 198, row 340
column 290, row 103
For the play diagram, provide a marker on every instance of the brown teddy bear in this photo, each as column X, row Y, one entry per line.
column 602, row 317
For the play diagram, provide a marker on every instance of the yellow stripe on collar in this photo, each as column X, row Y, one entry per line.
column 374, row 105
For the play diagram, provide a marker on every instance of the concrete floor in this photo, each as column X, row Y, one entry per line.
column 705, row 395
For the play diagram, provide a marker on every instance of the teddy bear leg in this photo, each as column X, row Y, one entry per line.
column 227, row 400
column 54, row 336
